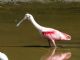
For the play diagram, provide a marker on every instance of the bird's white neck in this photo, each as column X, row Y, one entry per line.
column 35, row 23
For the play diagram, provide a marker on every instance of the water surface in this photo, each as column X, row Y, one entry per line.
column 36, row 53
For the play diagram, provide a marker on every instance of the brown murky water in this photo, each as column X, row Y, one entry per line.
column 37, row 53
column 62, row 16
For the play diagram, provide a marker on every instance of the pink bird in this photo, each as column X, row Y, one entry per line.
column 49, row 33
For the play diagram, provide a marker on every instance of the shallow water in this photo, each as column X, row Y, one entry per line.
column 25, row 42
column 36, row 53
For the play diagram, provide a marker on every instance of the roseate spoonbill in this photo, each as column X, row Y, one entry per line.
column 49, row 33
column 56, row 55
column 3, row 56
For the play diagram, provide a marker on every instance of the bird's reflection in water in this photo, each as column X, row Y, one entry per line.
column 57, row 54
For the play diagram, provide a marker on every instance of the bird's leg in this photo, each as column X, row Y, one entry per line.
column 54, row 43
column 51, row 38
column 49, row 43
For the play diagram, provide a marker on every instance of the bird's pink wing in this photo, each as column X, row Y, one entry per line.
column 48, row 34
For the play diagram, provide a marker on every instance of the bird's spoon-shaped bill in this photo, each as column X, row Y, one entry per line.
column 19, row 23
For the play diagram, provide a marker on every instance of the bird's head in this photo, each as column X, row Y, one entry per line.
column 26, row 17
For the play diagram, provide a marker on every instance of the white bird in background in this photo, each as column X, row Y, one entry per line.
column 49, row 33
column 3, row 56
